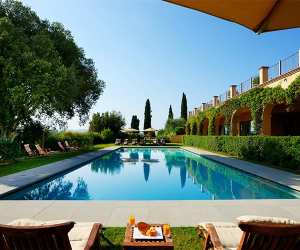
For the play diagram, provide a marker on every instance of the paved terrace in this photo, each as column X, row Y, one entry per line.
column 115, row 213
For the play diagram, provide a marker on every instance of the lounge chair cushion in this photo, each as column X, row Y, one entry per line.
column 229, row 233
column 78, row 235
column 262, row 219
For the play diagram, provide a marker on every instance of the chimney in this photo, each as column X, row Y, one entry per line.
column 215, row 101
column 232, row 91
column 263, row 74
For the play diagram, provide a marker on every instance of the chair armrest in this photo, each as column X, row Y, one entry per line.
column 94, row 236
column 214, row 238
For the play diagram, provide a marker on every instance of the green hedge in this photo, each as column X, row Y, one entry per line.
column 283, row 151
column 9, row 150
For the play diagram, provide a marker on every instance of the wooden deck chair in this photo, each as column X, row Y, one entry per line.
column 28, row 150
column 252, row 233
column 40, row 150
column 27, row 234
column 70, row 148
column 61, row 146
column 118, row 142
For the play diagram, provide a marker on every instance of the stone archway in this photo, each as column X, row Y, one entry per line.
column 204, row 126
column 241, row 122
column 219, row 125
column 282, row 119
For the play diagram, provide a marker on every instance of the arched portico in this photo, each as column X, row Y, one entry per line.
column 282, row 119
column 204, row 126
column 241, row 122
column 219, row 125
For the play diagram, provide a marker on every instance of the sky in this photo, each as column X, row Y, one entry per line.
column 153, row 49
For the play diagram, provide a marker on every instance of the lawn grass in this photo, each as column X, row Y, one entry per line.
column 33, row 162
column 184, row 238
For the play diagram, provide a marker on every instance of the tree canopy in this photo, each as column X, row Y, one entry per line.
column 170, row 116
column 135, row 122
column 147, row 114
column 183, row 107
column 43, row 73
column 108, row 120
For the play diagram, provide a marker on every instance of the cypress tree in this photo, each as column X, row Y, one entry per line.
column 183, row 107
column 135, row 122
column 170, row 116
column 147, row 117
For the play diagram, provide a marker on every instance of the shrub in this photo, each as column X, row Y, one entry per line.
column 9, row 150
column 97, row 137
column 107, row 135
column 281, row 151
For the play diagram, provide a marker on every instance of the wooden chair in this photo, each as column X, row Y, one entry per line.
column 134, row 142
column 125, row 142
column 28, row 150
column 49, row 237
column 252, row 236
column 118, row 142
column 70, row 147
column 40, row 150
column 61, row 146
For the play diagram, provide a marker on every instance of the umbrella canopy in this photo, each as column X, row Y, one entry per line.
column 150, row 130
column 129, row 130
column 257, row 15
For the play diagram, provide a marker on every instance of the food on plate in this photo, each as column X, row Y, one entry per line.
column 143, row 227
column 151, row 232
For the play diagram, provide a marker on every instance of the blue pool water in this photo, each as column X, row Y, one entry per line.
column 154, row 174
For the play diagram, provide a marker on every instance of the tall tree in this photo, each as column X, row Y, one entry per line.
column 170, row 116
column 135, row 122
column 147, row 115
column 43, row 73
column 184, row 107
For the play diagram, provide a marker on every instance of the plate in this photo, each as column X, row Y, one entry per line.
column 137, row 235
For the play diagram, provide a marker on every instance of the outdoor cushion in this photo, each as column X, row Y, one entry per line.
column 229, row 233
column 262, row 219
column 78, row 235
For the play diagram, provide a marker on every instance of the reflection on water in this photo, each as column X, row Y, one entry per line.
column 110, row 163
column 146, row 171
column 59, row 189
column 158, row 174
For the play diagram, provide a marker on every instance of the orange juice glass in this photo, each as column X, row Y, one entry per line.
column 166, row 229
column 131, row 220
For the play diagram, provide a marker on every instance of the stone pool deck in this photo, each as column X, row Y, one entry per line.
column 177, row 213
column 115, row 213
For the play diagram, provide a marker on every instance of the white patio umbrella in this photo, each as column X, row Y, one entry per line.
column 150, row 130
column 129, row 130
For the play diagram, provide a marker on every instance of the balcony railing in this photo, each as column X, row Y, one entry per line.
column 283, row 66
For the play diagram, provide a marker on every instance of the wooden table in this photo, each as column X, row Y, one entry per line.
column 132, row 244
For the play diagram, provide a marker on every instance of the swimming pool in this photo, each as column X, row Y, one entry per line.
column 154, row 174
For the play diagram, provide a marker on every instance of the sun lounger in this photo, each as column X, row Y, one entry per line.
column 70, row 148
column 251, row 233
column 141, row 142
column 61, row 147
column 118, row 142
column 162, row 142
column 28, row 150
column 42, row 151
column 154, row 141
column 49, row 235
